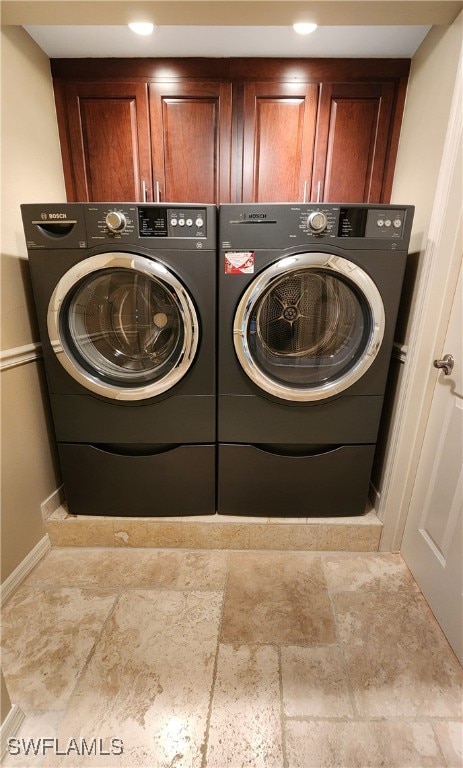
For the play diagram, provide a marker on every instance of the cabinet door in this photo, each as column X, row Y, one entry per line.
column 279, row 131
column 109, row 157
column 191, row 141
column 352, row 142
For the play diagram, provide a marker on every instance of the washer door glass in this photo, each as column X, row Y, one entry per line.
column 123, row 326
column 309, row 326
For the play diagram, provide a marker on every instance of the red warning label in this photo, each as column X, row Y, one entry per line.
column 239, row 262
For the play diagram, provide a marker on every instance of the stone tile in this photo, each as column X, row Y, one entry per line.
column 450, row 737
column 149, row 681
column 276, row 598
column 72, row 531
column 147, row 533
column 315, row 682
column 399, row 662
column 215, row 535
column 107, row 568
column 349, row 537
column 245, row 727
column 283, row 536
column 368, row 572
column 47, row 637
column 324, row 744
column 203, row 570
column 35, row 727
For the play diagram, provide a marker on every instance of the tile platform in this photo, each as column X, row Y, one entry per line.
column 357, row 534
column 230, row 659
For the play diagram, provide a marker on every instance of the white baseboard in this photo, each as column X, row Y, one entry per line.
column 10, row 727
column 52, row 503
column 24, row 568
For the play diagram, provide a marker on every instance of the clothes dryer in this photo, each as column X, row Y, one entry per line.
column 308, row 297
column 125, row 299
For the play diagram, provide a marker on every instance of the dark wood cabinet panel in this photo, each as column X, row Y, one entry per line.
column 110, row 154
column 352, row 142
column 191, row 140
column 279, row 132
column 230, row 130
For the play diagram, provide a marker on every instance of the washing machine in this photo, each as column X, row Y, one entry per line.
column 125, row 297
column 308, row 298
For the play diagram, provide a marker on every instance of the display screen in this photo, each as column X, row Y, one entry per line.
column 352, row 222
column 152, row 222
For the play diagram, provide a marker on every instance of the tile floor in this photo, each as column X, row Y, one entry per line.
column 229, row 659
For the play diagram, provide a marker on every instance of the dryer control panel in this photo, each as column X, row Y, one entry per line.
column 247, row 227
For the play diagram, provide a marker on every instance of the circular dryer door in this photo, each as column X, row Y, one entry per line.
column 309, row 326
column 123, row 326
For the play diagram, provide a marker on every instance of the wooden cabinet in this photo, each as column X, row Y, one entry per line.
column 106, row 147
column 229, row 130
column 278, row 146
column 352, row 142
column 190, row 140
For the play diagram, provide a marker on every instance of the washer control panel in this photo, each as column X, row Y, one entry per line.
column 156, row 221
column 181, row 226
column 130, row 222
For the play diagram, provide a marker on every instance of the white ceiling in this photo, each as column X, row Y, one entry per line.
column 227, row 41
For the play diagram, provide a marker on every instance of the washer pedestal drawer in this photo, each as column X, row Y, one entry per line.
column 139, row 481
column 329, row 482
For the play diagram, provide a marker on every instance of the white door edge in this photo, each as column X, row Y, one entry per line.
column 429, row 324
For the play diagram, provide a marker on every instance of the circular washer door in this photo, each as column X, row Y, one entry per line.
column 123, row 326
column 308, row 326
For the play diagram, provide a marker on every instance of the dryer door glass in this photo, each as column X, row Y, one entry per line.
column 309, row 329
column 126, row 329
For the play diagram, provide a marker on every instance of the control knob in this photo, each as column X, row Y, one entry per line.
column 317, row 221
column 115, row 221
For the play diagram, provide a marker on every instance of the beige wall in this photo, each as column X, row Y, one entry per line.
column 425, row 120
column 31, row 172
column 426, row 115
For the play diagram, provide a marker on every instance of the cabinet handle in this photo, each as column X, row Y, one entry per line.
column 319, row 189
column 143, row 191
column 158, row 192
column 305, row 192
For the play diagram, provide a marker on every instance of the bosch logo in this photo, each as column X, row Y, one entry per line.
column 46, row 216
column 257, row 215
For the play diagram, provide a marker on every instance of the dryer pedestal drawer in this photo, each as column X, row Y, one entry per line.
column 160, row 481
column 321, row 483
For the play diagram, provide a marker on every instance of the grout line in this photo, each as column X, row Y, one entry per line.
column 91, row 653
column 282, row 711
column 205, row 744
column 355, row 715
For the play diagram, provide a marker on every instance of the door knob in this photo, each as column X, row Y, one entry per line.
column 446, row 364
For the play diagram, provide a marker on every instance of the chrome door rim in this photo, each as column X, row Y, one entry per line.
column 143, row 265
column 336, row 265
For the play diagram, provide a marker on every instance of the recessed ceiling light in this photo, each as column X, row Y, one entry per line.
column 304, row 28
column 142, row 27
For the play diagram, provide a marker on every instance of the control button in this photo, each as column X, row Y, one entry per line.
column 199, row 222
column 317, row 221
column 189, row 222
column 380, row 222
column 397, row 223
column 173, row 222
column 387, row 223
column 181, row 222
column 115, row 221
